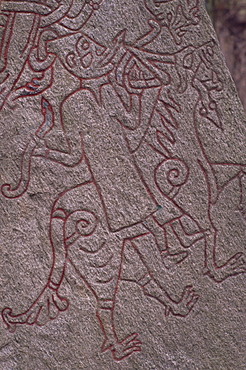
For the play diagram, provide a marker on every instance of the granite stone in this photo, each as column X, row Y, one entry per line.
column 123, row 188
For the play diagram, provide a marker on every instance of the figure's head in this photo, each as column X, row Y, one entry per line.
column 80, row 55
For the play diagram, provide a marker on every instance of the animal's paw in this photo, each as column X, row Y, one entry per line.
column 46, row 307
column 124, row 348
column 185, row 304
column 234, row 266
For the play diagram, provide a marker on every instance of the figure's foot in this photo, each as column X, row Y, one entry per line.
column 170, row 260
column 178, row 308
column 124, row 348
column 234, row 266
column 184, row 305
column 45, row 308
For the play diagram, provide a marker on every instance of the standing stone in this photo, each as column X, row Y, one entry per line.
column 123, row 188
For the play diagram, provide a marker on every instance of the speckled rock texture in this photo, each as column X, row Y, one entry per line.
column 123, row 189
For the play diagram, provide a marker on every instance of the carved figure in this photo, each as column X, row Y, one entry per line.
column 132, row 99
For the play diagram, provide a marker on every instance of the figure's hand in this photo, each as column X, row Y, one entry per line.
column 185, row 305
column 124, row 348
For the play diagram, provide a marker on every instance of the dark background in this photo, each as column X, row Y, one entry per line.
column 229, row 19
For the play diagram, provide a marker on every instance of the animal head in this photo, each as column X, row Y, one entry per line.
column 80, row 55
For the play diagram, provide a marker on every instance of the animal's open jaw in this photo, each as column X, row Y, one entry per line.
column 86, row 60
column 109, row 54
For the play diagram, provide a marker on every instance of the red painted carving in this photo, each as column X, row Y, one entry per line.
column 138, row 106
column 177, row 19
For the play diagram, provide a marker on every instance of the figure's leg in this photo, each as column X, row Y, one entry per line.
column 182, row 307
column 119, row 349
column 178, row 238
column 159, row 232
column 49, row 303
column 141, row 276
column 137, row 271
column 186, row 240
column 100, row 272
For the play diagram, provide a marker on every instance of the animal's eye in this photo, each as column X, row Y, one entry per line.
column 85, row 45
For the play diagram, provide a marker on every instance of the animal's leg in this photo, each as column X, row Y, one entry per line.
column 234, row 266
column 135, row 270
column 199, row 210
column 49, row 303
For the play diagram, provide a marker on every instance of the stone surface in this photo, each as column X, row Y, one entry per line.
column 123, row 188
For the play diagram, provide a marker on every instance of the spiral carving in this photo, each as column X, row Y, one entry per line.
column 82, row 222
column 170, row 175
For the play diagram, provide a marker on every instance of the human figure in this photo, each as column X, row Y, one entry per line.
column 119, row 215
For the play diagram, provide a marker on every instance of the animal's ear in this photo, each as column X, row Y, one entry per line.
column 70, row 59
column 120, row 37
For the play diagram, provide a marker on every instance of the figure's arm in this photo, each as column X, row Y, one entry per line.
column 130, row 118
column 68, row 152
column 142, row 119
column 134, row 111
column 70, row 157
